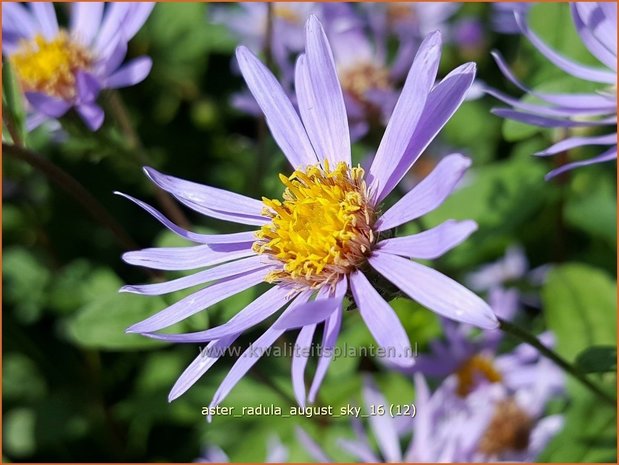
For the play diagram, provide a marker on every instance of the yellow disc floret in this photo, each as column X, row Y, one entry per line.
column 470, row 371
column 323, row 227
column 49, row 66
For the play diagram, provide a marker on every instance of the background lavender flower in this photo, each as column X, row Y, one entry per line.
column 60, row 69
column 596, row 25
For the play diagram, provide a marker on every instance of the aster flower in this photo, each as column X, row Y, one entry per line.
column 324, row 239
column 596, row 24
column 470, row 362
column 498, row 424
column 276, row 453
column 59, row 69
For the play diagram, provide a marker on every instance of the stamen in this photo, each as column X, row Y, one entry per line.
column 323, row 227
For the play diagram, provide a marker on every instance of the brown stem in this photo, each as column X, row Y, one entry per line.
column 8, row 120
column 118, row 109
column 73, row 187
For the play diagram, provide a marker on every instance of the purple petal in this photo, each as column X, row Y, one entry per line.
column 299, row 362
column 329, row 338
column 407, row 113
column 281, row 116
column 210, row 201
column 609, row 155
column 249, row 358
column 85, row 20
column 573, row 142
column 587, row 101
column 136, row 17
column 17, row 20
column 92, row 115
column 314, row 312
column 309, row 109
column 382, row 321
column 434, row 290
column 218, row 272
column 382, row 425
column 326, row 87
column 200, row 300
column 311, row 446
column 130, row 74
column 249, row 236
column 112, row 57
column 205, row 360
column 575, row 69
column 110, row 29
column 544, row 121
column 544, row 109
column 358, row 449
column 256, row 312
column 46, row 17
column 441, row 104
column 49, row 106
column 602, row 28
column 428, row 194
column 187, row 258
column 88, row 87
column 592, row 43
column 432, row 243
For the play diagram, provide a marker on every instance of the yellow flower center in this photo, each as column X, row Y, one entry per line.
column 470, row 371
column 323, row 227
column 49, row 66
column 286, row 13
column 509, row 430
column 358, row 79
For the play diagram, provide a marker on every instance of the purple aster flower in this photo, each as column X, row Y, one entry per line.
column 276, row 453
column 498, row 424
column 59, row 69
column 596, row 24
column 504, row 16
column 324, row 240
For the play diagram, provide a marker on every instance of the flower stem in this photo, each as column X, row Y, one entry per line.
column 118, row 109
column 529, row 338
column 76, row 190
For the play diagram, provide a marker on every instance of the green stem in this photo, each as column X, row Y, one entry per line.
column 73, row 187
column 525, row 336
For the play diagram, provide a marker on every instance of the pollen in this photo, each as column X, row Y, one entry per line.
column 472, row 370
column 50, row 66
column 322, row 228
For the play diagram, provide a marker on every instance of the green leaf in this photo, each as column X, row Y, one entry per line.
column 591, row 205
column 27, row 280
column 12, row 99
column 589, row 434
column 597, row 359
column 580, row 307
column 101, row 324
column 500, row 197
column 18, row 437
